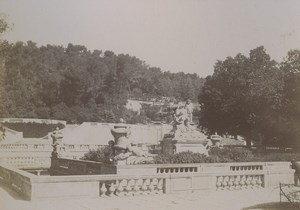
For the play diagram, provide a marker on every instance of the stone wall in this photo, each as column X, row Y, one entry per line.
column 35, row 155
column 147, row 179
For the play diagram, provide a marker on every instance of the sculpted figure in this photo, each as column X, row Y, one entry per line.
column 123, row 147
column 189, row 109
column 181, row 124
column 57, row 144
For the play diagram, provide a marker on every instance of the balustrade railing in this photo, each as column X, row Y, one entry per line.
column 175, row 170
column 168, row 179
column 246, row 168
column 131, row 187
column 239, row 182
column 14, row 147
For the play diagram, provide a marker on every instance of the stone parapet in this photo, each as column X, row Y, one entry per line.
column 146, row 179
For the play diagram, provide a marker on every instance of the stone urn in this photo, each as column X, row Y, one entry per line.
column 120, row 134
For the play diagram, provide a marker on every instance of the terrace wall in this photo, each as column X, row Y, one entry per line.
column 148, row 179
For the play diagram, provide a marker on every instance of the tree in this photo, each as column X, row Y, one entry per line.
column 3, row 53
column 78, row 85
column 243, row 97
column 290, row 113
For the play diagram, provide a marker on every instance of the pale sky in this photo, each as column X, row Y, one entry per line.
column 175, row 35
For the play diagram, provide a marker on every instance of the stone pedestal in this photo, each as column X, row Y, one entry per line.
column 192, row 147
column 185, row 140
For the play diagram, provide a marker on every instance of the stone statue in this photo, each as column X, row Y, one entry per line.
column 184, row 136
column 189, row 109
column 57, row 144
column 181, row 122
column 123, row 148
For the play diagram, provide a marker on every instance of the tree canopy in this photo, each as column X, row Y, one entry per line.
column 75, row 84
column 255, row 97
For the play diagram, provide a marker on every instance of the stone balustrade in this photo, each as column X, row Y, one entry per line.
column 177, row 169
column 131, row 187
column 246, row 168
column 26, row 161
column 32, row 155
column 145, row 179
column 14, row 146
column 240, row 182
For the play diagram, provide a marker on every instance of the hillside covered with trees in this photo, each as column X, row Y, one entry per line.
column 253, row 96
column 75, row 84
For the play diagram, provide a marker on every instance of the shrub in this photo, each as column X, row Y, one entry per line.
column 182, row 157
column 102, row 154
column 230, row 154
column 276, row 156
column 216, row 155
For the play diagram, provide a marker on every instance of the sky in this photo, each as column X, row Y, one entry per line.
column 174, row 35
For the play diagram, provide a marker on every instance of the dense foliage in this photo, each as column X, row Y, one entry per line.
column 182, row 157
column 33, row 130
column 78, row 85
column 254, row 97
column 216, row 155
column 74, row 84
column 103, row 154
column 230, row 154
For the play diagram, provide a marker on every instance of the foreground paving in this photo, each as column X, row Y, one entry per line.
column 235, row 200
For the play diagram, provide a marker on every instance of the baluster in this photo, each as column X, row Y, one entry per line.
column 145, row 187
column 103, row 190
column 259, row 181
column 151, row 187
column 129, row 188
column 136, row 187
column 253, row 182
column 248, row 181
column 155, row 183
column 111, row 190
column 160, row 186
column 225, row 182
column 237, row 182
column 120, row 190
column 243, row 182
column 219, row 183
column 230, row 183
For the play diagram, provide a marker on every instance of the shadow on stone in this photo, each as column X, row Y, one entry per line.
column 274, row 206
column 11, row 193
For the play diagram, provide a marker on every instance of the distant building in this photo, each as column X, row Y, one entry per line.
column 17, row 151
